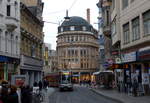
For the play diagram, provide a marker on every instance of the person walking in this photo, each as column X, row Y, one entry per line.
column 40, row 85
column 135, row 87
column 13, row 96
column 25, row 94
column 4, row 92
column 1, row 94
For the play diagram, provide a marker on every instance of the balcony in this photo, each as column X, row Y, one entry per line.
column 11, row 23
column 107, row 31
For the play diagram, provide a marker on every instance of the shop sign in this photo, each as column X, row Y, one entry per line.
column 118, row 60
column 145, row 78
column 144, row 53
column 19, row 80
column 128, row 57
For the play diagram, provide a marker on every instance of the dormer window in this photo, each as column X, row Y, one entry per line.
column 84, row 28
column 72, row 28
column 61, row 29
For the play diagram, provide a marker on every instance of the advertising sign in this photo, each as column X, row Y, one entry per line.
column 144, row 53
column 19, row 80
column 145, row 78
column 128, row 57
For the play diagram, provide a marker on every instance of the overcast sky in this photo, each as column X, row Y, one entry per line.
column 55, row 11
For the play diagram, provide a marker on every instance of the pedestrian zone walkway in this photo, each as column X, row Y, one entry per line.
column 122, row 97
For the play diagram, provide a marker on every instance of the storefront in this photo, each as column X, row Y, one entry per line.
column 8, row 67
column 143, row 56
column 128, row 60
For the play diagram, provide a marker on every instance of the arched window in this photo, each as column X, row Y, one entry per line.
column 17, row 49
column 12, row 43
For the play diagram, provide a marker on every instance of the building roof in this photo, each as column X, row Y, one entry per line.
column 75, row 21
column 78, row 23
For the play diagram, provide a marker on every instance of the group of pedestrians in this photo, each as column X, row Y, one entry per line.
column 41, row 84
column 8, row 93
column 23, row 94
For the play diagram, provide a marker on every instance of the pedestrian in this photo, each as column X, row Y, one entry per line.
column 40, row 85
column 35, row 84
column 4, row 92
column 13, row 96
column 135, row 87
column 25, row 94
column 1, row 94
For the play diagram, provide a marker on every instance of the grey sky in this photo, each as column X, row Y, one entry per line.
column 55, row 11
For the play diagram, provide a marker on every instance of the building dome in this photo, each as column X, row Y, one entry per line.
column 75, row 23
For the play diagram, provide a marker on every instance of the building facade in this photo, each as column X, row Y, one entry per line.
column 105, row 6
column 31, row 44
column 100, row 37
column 9, row 38
column 50, row 60
column 77, row 48
column 135, row 41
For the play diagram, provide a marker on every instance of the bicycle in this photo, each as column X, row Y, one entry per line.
column 38, row 96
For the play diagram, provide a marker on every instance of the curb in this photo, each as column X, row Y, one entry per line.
column 119, row 101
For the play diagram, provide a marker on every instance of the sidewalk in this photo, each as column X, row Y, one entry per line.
column 47, row 94
column 121, row 97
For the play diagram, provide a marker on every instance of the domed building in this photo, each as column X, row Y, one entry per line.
column 77, row 48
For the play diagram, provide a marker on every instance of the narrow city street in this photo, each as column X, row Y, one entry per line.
column 79, row 95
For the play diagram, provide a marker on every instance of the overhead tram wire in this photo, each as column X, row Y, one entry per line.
column 51, row 22
column 72, row 4
column 60, row 12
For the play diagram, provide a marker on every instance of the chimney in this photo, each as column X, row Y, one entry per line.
column 88, row 15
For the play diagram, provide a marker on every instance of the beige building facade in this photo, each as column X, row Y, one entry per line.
column 77, row 48
column 132, row 30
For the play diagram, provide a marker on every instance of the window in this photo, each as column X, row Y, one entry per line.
column 16, row 8
column 6, row 42
column 107, row 17
column 61, row 29
column 124, row 3
column 72, row 28
column 113, row 4
column 113, row 27
column 72, row 38
column 146, row 22
column 0, row 37
column 126, row 33
column 8, row 10
column 135, row 29
column 12, row 36
column 132, row 1
column 76, row 38
column 17, row 45
column 84, row 28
